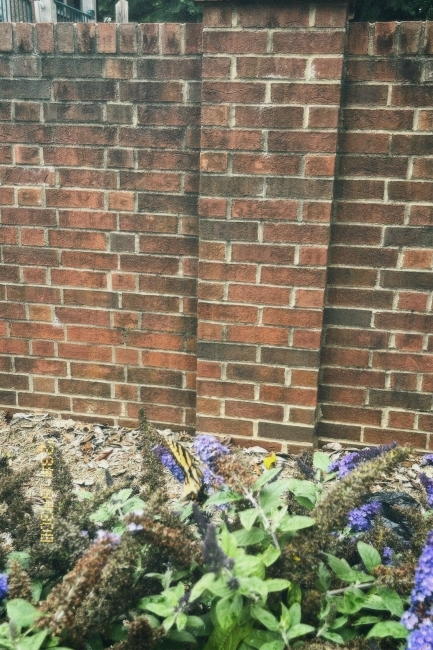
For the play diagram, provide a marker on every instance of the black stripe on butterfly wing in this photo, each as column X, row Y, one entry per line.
column 190, row 467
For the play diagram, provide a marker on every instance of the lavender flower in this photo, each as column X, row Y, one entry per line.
column 387, row 555
column 3, row 585
column 209, row 450
column 361, row 519
column 105, row 535
column 350, row 462
column 418, row 619
column 168, row 461
column 427, row 459
column 428, row 486
column 422, row 638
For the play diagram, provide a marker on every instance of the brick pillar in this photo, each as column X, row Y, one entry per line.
column 270, row 107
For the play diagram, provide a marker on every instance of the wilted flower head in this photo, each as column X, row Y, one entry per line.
column 3, row 585
column 361, row 519
column 349, row 462
column 168, row 461
column 428, row 486
column 213, row 554
column 209, row 450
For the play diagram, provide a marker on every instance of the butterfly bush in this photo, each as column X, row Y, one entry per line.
column 418, row 618
column 209, row 450
column 427, row 459
column 351, row 461
column 3, row 585
column 361, row 519
column 427, row 483
column 168, row 461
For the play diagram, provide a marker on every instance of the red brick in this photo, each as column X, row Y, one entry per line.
column 149, row 38
column 170, row 38
column 107, row 38
column 384, row 38
column 44, row 38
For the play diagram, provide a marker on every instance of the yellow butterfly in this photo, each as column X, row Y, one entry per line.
column 193, row 483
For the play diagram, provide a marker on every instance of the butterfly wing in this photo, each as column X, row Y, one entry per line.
column 193, row 483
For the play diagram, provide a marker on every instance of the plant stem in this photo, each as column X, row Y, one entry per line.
column 336, row 592
column 265, row 520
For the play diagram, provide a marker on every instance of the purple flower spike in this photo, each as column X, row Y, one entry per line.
column 4, row 585
column 427, row 459
column 422, row 638
column 168, row 461
column 351, row 461
column 361, row 519
column 428, row 486
column 209, row 450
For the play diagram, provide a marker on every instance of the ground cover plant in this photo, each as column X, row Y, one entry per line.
column 314, row 562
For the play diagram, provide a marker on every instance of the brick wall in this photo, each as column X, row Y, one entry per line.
column 99, row 180
column 377, row 359
column 314, row 278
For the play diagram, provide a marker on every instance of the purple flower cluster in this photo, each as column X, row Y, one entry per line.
column 427, row 459
column 361, row 519
column 167, row 459
column 209, row 450
column 387, row 556
column 422, row 638
column 427, row 483
column 3, row 585
column 351, row 461
column 106, row 536
column 418, row 618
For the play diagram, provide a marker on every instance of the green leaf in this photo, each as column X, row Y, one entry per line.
column 160, row 609
column 323, row 577
column 366, row 620
column 20, row 556
column 267, row 476
column 353, row 601
column 251, row 586
column 292, row 523
column 195, row 622
column 270, row 555
column 222, row 498
column 299, row 630
column 248, row 517
column 392, row 601
column 388, row 628
column 341, row 568
column 265, row 617
column 249, row 537
column 332, row 636
column 290, row 617
column 121, row 495
column 369, row 556
column 227, row 612
column 228, row 639
column 36, row 590
column 321, row 461
column 204, row 583
column 304, row 489
column 182, row 636
column 271, row 493
column 277, row 584
column 273, row 645
column 373, row 601
column 22, row 613
column 295, row 595
column 32, row 642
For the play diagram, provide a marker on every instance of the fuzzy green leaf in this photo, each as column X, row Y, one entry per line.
column 366, row 620
column 341, row 568
column 270, row 494
column 265, row 617
column 228, row 639
column 321, row 461
column 270, row 555
column 32, row 642
column 323, row 577
column 248, row 517
column 299, row 630
column 392, row 601
column 369, row 556
column 182, row 636
column 267, row 476
column 353, row 601
column 249, row 537
column 222, row 498
column 388, row 628
column 21, row 613
column 273, row 645
column 277, row 584
column 332, row 636
column 293, row 523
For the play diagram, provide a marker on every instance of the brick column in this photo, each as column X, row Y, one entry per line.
column 270, row 108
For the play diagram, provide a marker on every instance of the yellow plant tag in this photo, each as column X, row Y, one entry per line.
column 270, row 460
